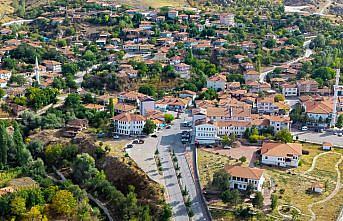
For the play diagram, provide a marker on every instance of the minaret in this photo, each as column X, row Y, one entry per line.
column 37, row 72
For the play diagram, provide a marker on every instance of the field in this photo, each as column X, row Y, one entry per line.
column 292, row 188
column 5, row 10
column 208, row 164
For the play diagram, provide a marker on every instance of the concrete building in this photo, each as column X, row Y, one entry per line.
column 129, row 124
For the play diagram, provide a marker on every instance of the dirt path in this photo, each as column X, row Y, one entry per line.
column 332, row 194
column 315, row 161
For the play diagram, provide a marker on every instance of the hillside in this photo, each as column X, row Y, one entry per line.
column 154, row 3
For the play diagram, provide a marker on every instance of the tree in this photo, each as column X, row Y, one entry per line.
column 2, row 93
column 35, row 147
column 232, row 197
column 168, row 118
column 4, row 145
column 243, row 159
column 339, row 123
column 53, row 154
column 147, row 89
column 167, row 213
column 324, row 73
column 84, row 167
column 226, row 140
column 23, row 155
column 70, row 68
column 72, row 101
column 149, row 127
column 279, row 97
column 111, row 107
column 257, row 201
column 274, row 201
column 221, row 180
column 18, row 205
column 284, row 135
column 64, row 203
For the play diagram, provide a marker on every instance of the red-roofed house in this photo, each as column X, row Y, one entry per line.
column 241, row 177
column 281, row 154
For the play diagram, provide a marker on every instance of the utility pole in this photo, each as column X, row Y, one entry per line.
column 334, row 111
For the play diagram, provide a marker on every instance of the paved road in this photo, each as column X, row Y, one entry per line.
column 175, row 198
column 144, row 156
column 172, row 137
column 17, row 22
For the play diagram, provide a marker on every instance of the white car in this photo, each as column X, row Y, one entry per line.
column 340, row 134
column 227, row 147
column 116, row 137
column 304, row 128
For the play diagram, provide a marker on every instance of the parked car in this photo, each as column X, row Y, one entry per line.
column 135, row 141
column 227, row 147
column 168, row 127
column 340, row 134
column 101, row 135
column 209, row 146
column 129, row 146
column 116, row 137
column 304, row 128
column 153, row 135
column 141, row 141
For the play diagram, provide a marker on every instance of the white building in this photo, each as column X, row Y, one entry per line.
column 129, row 124
column 217, row 82
column 146, row 104
column 327, row 146
column 53, row 66
column 172, row 14
column 241, row 177
column 289, row 90
column 279, row 122
column 281, row 154
column 205, row 134
column 232, row 127
column 5, row 75
column 227, row 19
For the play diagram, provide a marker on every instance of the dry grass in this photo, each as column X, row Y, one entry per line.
column 117, row 146
column 295, row 186
column 5, row 10
column 208, row 164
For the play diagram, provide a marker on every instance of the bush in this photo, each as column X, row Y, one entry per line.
column 282, row 191
column 305, row 152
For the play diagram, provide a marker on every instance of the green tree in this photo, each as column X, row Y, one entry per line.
column 4, row 145
column 339, row 123
column 232, row 197
column 18, row 205
column 23, row 155
column 221, row 180
column 147, row 89
column 64, row 203
column 284, row 135
column 84, row 168
column 274, row 201
column 168, row 118
column 243, row 159
column 226, row 140
column 111, row 107
column 149, row 127
column 279, row 97
column 257, row 201
column 2, row 93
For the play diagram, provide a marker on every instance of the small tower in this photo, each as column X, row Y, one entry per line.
column 37, row 72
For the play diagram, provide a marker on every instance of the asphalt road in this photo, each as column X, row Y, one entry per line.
column 172, row 137
column 175, row 198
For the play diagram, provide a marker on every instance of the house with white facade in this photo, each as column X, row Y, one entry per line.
column 217, row 82
column 232, row 127
column 53, row 66
column 279, row 122
column 281, row 154
column 289, row 90
column 241, row 177
column 5, row 75
column 205, row 133
column 129, row 124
